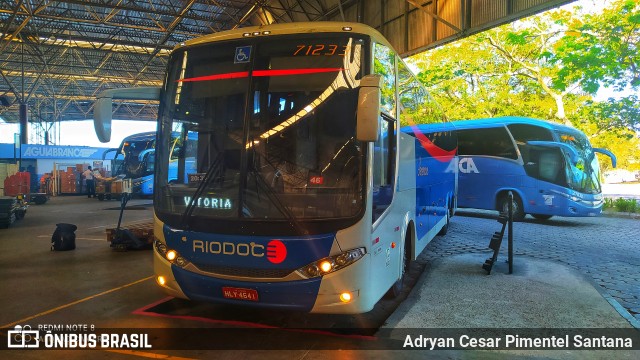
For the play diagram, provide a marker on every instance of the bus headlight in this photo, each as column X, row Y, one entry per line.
column 169, row 254
column 332, row 263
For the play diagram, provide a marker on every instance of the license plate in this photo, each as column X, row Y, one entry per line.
column 239, row 293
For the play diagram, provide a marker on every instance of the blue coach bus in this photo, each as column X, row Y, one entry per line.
column 134, row 159
column 551, row 169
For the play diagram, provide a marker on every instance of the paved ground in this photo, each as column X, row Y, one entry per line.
column 455, row 297
column 109, row 289
column 606, row 249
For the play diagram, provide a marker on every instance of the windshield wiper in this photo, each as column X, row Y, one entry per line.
column 272, row 195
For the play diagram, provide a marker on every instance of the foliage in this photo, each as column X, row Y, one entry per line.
column 608, row 204
column 548, row 66
column 601, row 49
column 615, row 114
column 621, row 204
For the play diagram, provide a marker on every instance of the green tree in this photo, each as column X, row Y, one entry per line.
column 505, row 71
column 601, row 49
column 533, row 68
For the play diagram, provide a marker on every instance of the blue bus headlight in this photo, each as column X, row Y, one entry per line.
column 332, row 263
column 169, row 254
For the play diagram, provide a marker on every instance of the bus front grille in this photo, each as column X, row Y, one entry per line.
column 244, row 272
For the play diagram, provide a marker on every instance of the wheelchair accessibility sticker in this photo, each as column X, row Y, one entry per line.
column 243, row 54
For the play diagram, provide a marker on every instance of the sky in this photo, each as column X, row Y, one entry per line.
column 82, row 133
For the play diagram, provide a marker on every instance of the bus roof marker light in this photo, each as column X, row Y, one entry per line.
column 246, row 34
column 347, row 28
column 256, row 33
column 266, row 32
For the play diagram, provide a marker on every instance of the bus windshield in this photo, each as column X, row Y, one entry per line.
column 585, row 174
column 127, row 160
column 275, row 128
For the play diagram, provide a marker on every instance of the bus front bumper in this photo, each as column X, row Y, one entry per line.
column 568, row 205
column 316, row 295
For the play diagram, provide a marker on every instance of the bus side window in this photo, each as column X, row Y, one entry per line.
column 416, row 105
column 545, row 164
column 487, row 142
column 150, row 162
column 549, row 165
column 383, row 168
column 384, row 64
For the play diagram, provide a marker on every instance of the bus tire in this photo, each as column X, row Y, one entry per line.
column 542, row 216
column 518, row 210
column 445, row 228
column 398, row 286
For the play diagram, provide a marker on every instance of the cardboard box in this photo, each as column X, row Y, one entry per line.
column 117, row 187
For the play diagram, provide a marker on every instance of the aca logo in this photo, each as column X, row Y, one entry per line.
column 276, row 251
column 467, row 166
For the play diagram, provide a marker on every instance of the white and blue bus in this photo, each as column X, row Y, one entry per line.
column 304, row 193
column 551, row 168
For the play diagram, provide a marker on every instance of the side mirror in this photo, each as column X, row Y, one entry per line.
column 145, row 154
column 574, row 157
column 102, row 109
column 368, row 108
column 104, row 154
column 609, row 154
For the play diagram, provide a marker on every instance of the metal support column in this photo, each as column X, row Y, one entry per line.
column 24, row 121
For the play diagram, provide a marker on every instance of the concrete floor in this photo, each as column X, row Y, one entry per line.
column 96, row 286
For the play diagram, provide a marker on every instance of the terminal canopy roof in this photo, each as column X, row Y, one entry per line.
column 55, row 56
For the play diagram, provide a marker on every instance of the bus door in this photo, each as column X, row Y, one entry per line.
column 547, row 169
column 488, row 163
column 543, row 165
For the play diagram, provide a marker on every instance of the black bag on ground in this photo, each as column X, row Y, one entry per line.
column 64, row 238
column 127, row 240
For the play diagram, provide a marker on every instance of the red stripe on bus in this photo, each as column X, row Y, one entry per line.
column 436, row 152
column 261, row 73
column 285, row 72
column 233, row 75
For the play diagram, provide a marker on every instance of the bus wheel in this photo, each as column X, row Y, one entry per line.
column 518, row 210
column 397, row 287
column 541, row 216
column 445, row 228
